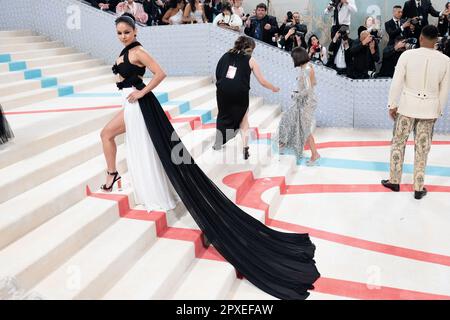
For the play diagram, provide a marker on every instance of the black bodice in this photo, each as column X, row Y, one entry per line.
column 130, row 72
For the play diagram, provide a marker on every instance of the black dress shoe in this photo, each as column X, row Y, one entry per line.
column 420, row 194
column 392, row 186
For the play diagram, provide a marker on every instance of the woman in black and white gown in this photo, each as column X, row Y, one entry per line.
column 279, row 263
column 6, row 133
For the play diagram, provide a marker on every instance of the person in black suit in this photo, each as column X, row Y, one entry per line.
column 339, row 57
column 262, row 26
column 396, row 26
column 419, row 8
column 391, row 54
column 106, row 5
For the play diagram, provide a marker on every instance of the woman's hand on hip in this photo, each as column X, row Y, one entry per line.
column 135, row 96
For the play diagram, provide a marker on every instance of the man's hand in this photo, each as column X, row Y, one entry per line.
column 336, row 37
column 400, row 45
column 346, row 44
column 372, row 46
column 366, row 41
column 406, row 25
column 267, row 26
column 393, row 113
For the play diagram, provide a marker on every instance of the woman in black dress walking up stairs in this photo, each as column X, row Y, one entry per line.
column 233, row 85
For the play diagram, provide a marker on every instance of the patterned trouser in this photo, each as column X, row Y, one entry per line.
column 423, row 135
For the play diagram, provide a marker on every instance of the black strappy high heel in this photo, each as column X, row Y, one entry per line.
column 246, row 153
column 117, row 179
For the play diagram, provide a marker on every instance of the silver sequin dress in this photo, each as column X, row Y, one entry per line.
column 297, row 122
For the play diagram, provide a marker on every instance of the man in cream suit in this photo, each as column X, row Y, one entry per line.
column 417, row 97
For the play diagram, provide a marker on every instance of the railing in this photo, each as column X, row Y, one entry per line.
column 193, row 50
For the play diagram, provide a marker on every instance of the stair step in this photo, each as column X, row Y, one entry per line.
column 29, row 210
column 206, row 280
column 39, row 53
column 7, row 48
column 26, row 174
column 43, row 61
column 31, row 258
column 95, row 268
column 15, row 33
column 24, row 39
column 21, row 99
column 41, row 135
column 156, row 272
column 9, row 77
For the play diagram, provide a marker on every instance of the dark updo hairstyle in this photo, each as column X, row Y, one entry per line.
column 300, row 56
column 127, row 18
column 244, row 45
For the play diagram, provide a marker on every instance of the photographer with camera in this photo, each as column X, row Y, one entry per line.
column 339, row 58
column 444, row 22
column 417, row 11
column 293, row 32
column 227, row 19
column 316, row 52
column 342, row 11
column 364, row 53
column 397, row 26
column 392, row 53
column 262, row 26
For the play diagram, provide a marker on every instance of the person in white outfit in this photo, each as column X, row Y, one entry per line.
column 227, row 19
column 418, row 96
column 342, row 13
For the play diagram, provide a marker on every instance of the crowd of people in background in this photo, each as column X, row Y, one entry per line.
column 359, row 58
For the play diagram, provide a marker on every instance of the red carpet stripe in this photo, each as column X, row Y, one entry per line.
column 251, row 197
column 337, row 287
column 63, row 110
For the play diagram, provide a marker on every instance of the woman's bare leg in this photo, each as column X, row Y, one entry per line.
column 312, row 145
column 112, row 129
column 244, row 126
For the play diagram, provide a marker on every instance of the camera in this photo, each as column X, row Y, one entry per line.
column 416, row 21
column 344, row 32
column 376, row 35
column 334, row 3
column 290, row 16
column 410, row 43
column 300, row 30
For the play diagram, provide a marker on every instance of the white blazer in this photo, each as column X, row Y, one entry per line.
column 420, row 86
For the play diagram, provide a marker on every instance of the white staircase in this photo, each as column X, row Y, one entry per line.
column 58, row 242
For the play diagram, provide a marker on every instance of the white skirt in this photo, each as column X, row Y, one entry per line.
column 152, row 187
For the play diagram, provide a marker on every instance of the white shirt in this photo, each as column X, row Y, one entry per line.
column 399, row 23
column 345, row 13
column 339, row 61
column 234, row 20
column 420, row 86
column 239, row 11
